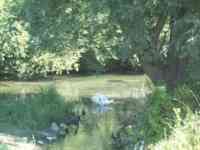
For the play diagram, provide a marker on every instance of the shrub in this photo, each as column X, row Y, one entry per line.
column 159, row 112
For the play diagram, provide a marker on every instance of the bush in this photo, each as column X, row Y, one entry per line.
column 158, row 115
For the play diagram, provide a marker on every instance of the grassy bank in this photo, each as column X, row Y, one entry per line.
column 185, row 134
column 171, row 120
column 34, row 105
column 73, row 87
column 34, row 111
column 26, row 107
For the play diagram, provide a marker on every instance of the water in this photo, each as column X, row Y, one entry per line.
column 101, row 128
column 97, row 127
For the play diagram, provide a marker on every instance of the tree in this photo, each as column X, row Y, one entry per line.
column 164, row 34
column 58, row 34
column 160, row 35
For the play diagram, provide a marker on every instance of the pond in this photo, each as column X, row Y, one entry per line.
column 99, row 128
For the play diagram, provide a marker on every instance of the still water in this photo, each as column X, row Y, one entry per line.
column 99, row 126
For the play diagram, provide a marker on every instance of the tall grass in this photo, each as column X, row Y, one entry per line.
column 32, row 111
column 98, row 138
column 157, row 116
column 184, row 126
column 185, row 134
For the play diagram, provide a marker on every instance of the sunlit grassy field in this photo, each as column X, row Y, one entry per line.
column 73, row 87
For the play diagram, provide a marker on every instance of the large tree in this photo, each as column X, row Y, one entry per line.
column 164, row 34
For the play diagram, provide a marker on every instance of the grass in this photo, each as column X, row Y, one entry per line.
column 32, row 112
column 159, row 113
column 94, row 134
column 31, row 106
column 152, row 124
column 118, row 86
column 98, row 139
column 17, row 87
column 185, row 134
column 185, row 130
column 3, row 147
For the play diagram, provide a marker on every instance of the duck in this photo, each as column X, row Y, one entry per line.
column 101, row 100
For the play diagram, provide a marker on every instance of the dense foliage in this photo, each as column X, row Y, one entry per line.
column 164, row 34
column 40, row 37
column 43, row 36
column 159, row 37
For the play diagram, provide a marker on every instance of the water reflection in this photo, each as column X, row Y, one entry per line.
column 98, row 126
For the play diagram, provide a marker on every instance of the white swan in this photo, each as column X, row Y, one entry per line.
column 101, row 99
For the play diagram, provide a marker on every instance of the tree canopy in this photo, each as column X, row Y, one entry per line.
column 44, row 36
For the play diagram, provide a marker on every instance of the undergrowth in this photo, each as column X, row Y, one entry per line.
column 185, row 134
column 171, row 120
column 168, row 118
column 157, row 116
column 32, row 111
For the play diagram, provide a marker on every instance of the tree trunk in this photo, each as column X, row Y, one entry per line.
column 154, row 72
